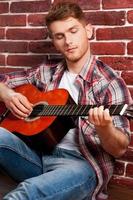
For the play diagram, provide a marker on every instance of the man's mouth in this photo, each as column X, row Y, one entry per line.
column 71, row 49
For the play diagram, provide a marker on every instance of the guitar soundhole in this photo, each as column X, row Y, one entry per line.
column 37, row 111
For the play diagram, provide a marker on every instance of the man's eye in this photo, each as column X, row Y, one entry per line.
column 58, row 37
column 74, row 30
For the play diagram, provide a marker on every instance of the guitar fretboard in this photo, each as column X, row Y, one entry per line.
column 73, row 110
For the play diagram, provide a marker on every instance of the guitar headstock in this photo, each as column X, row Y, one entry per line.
column 129, row 112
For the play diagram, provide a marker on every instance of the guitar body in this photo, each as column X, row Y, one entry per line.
column 41, row 132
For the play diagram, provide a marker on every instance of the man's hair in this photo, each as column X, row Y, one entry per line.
column 63, row 10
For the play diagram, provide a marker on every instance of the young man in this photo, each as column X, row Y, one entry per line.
column 81, row 165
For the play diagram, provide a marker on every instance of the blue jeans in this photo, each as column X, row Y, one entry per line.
column 61, row 175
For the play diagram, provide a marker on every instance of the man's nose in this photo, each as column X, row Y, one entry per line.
column 68, row 39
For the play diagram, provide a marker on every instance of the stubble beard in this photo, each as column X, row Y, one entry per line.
column 75, row 58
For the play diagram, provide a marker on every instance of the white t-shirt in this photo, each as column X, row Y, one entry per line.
column 67, row 82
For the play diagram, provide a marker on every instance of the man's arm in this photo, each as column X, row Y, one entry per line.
column 113, row 140
column 17, row 103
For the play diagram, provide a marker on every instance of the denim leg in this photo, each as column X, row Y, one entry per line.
column 67, row 176
column 16, row 158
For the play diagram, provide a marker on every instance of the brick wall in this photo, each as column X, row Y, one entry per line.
column 24, row 43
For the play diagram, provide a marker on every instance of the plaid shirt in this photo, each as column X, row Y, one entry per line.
column 98, row 84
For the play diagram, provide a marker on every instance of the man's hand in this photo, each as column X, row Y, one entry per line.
column 100, row 117
column 17, row 103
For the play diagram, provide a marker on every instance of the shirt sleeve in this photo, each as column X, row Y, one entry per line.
column 118, row 93
column 26, row 76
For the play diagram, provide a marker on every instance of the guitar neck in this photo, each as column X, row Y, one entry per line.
column 73, row 110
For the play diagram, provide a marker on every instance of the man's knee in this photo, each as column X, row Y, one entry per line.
column 6, row 138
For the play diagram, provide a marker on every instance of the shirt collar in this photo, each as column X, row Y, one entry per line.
column 88, row 72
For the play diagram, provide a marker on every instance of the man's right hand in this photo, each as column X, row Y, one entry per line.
column 17, row 103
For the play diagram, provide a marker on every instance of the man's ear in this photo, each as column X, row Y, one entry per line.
column 89, row 30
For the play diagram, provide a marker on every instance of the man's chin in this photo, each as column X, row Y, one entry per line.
column 72, row 58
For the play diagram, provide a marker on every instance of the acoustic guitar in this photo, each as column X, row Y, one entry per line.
column 53, row 115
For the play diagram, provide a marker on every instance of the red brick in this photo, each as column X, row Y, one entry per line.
column 36, row 20
column 131, row 91
column 119, row 63
column 131, row 128
column 42, row 47
column 129, row 170
column 128, row 77
column 25, row 60
column 131, row 142
column 85, row 4
column 114, row 48
column 2, row 60
column 130, row 48
column 4, row 70
column 13, row 47
column 12, row 20
column 89, row 5
column 128, row 156
column 106, row 18
column 30, row 6
column 4, row 8
column 114, row 33
column 117, row 4
column 130, row 16
column 131, row 125
column 119, row 168
column 2, row 33
column 26, row 34
column 131, row 121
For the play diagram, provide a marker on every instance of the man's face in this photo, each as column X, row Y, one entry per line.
column 70, row 38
